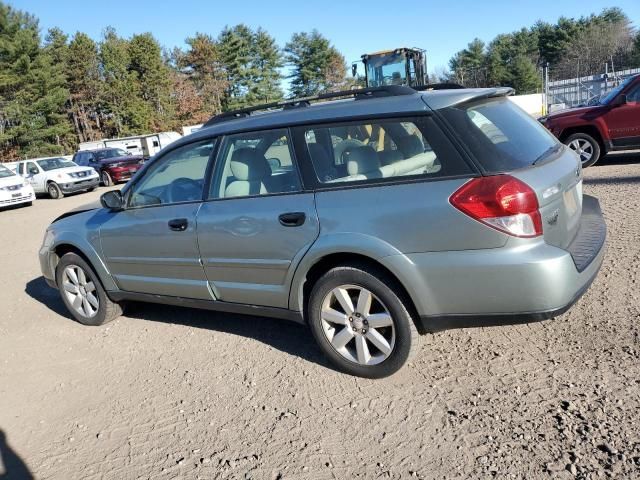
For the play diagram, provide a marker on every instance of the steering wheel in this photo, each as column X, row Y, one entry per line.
column 344, row 145
column 184, row 189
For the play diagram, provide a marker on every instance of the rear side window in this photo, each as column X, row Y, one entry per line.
column 385, row 149
column 501, row 136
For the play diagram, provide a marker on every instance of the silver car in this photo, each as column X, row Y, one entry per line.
column 370, row 218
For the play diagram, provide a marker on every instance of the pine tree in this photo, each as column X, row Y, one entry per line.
column 153, row 78
column 313, row 60
column 32, row 88
column 83, row 77
column 235, row 46
column 125, row 111
column 201, row 66
column 266, row 60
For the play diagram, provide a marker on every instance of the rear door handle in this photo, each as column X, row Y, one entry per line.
column 178, row 224
column 292, row 219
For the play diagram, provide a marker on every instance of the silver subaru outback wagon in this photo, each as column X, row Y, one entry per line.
column 372, row 217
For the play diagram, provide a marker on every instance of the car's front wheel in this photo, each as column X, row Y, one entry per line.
column 82, row 292
column 107, row 181
column 587, row 148
column 361, row 321
column 54, row 191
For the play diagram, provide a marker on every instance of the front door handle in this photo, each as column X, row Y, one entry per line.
column 292, row 219
column 178, row 224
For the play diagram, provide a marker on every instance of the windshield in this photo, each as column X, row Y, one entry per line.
column 502, row 136
column 55, row 163
column 5, row 172
column 386, row 70
column 110, row 153
column 614, row 93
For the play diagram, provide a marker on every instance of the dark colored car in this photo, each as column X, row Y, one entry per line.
column 612, row 124
column 114, row 165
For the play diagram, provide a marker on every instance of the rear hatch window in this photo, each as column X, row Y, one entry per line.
column 500, row 135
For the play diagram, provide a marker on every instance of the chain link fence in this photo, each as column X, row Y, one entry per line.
column 565, row 91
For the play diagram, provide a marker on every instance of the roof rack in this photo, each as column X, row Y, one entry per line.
column 358, row 94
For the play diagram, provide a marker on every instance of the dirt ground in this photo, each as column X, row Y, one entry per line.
column 176, row 393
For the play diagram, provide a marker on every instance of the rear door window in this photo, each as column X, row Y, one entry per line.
column 502, row 136
column 379, row 150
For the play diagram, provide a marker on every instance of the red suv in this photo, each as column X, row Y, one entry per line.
column 613, row 124
column 112, row 164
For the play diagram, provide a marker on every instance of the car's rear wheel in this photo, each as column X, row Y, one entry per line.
column 107, row 181
column 361, row 321
column 82, row 293
column 54, row 191
column 587, row 148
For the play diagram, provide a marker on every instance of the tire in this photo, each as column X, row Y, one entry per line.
column 587, row 148
column 71, row 288
column 387, row 304
column 54, row 191
column 107, row 181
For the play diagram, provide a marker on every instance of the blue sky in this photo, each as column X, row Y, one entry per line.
column 354, row 27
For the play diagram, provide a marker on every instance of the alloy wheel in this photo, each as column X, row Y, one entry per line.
column 583, row 148
column 358, row 325
column 80, row 291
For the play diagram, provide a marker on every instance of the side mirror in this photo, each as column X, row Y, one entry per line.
column 620, row 100
column 112, row 200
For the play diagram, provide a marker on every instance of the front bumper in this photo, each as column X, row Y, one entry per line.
column 15, row 197
column 122, row 174
column 508, row 285
column 77, row 186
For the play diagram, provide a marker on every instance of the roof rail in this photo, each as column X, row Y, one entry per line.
column 358, row 94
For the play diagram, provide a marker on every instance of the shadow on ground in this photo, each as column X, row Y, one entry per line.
column 286, row 336
column 12, row 467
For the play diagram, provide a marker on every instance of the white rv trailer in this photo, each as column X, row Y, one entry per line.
column 145, row 145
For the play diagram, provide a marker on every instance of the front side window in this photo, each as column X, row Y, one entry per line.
column 257, row 163
column 175, row 177
column 55, row 163
column 384, row 149
column 32, row 168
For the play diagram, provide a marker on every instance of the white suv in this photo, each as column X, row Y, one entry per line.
column 14, row 189
column 57, row 176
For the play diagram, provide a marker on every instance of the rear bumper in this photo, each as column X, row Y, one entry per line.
column 514, row 284
column 72, row 187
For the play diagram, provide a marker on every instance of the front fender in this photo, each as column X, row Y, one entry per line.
column 66, row 233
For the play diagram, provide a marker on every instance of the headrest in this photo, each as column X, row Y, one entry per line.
column 410, row 145
column 362, row 160
column 248, row 164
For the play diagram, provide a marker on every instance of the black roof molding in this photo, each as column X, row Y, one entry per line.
column 358, row 94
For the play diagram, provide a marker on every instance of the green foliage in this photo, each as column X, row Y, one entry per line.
column 316, row 65
column 32, row 88
column 570, row 47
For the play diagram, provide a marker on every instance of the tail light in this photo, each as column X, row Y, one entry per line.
column 501, row 202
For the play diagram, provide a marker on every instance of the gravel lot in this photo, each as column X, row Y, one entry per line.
column 176, row 393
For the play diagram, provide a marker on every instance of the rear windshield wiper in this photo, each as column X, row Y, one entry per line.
column 547, row 152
